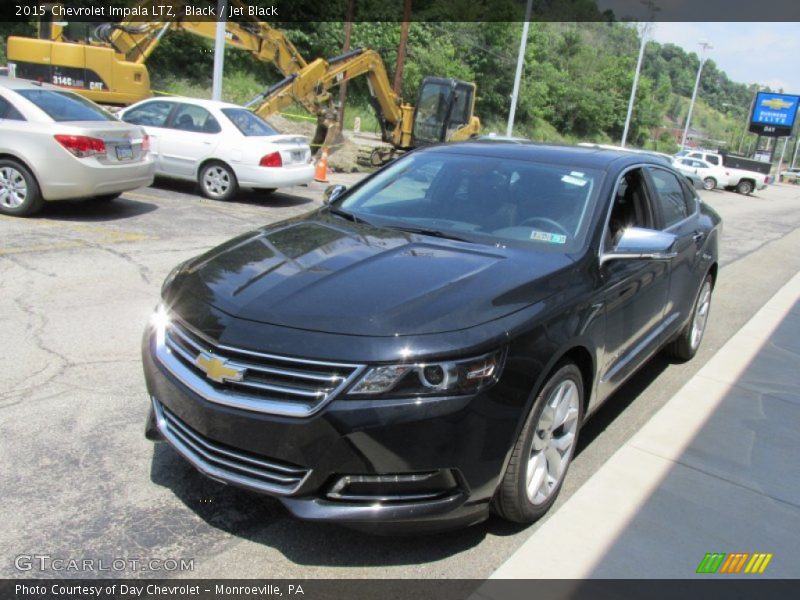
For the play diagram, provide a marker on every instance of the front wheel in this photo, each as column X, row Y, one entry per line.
column 685, row 346
column 544, row 450
column 709, row 183
column 217, row 181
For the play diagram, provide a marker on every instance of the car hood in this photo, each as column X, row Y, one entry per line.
column 328, row 275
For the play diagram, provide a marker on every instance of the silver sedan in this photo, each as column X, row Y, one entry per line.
column 56, row 145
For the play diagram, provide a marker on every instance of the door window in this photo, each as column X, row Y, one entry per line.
column 630, row 209
column 153, row 114
column 714, row 160
column 7, row 111
column 670, row 197
column 189, row 117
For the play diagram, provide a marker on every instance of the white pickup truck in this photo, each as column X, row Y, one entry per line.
column 742, row 180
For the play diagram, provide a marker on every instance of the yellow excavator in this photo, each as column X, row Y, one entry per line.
column 110, row 68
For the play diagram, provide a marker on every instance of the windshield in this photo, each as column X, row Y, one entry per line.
column 248, row 123
column 479, row 198
column 65, row 106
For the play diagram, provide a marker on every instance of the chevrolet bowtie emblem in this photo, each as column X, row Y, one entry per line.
column 218, row 369
column 776, row 103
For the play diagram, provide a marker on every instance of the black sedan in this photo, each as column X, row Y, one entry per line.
column 424, row 348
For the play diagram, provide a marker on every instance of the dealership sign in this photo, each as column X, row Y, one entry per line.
column 774, row 114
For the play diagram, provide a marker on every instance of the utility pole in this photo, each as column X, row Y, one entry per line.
column 645, row 30
column 401, row 50
column 219, row 52
column 348, row 27
column 796, row 145
column 780, row 160
column 706, row 46
column 518, row 75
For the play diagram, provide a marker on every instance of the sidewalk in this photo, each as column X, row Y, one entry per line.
column 717, row 469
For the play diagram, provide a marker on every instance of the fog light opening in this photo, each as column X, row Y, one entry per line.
column 400, row 487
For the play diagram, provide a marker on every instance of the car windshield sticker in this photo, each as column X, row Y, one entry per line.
column 545, row 236
column 573, row 180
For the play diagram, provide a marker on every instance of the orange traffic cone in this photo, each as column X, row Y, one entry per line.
column 321, row 172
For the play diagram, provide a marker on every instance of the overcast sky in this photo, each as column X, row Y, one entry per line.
column 763, row 53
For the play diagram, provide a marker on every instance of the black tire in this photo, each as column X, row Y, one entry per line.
column 512, row 500
column 709, row 183
column 217, row 181
column 745, row 187
column 20, row 195
column 106, row 197
column 687, row 343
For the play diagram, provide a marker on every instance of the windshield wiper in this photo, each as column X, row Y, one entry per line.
column 348, row 215
column 431, row 232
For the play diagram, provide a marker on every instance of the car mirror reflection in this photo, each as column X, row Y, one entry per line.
column 332, row 192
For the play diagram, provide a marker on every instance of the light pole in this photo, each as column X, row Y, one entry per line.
column 645, row 30
column 706, row 46
column 219, row 52
column 518, row 74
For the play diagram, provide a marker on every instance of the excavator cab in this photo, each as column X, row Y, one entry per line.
column 443, row 111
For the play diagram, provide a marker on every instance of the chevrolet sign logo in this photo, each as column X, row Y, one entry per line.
column 776, row 103
column 218, row 369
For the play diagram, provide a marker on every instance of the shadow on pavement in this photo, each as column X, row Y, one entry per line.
column 95, row 210
column 279, row 199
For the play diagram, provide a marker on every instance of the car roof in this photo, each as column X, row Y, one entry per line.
column 576, row 156
column 196, row 101
column 14, row 83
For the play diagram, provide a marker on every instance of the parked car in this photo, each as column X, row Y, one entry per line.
column 422, row 350
column 221, row 146
column 743, row 180
column 791, row 175
column 56, row 145
column 693, row 178
column 713, row 177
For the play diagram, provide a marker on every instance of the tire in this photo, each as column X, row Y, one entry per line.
column 745, row 187
column 106, row 197
column 532, row 465
column 20, row 195
column 709, row 183
column 217, row 181
column 685, row 346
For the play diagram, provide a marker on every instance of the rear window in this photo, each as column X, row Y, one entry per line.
column 249, row 124
column 65, row 106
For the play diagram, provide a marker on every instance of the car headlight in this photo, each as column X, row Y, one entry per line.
column 445, row 378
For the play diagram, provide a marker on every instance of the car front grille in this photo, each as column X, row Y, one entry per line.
column 225, row 463
column 247, row 379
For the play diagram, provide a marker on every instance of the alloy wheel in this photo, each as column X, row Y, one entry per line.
column 13, row 188
column 553, row 442
column 217, row 181
column 700, row 317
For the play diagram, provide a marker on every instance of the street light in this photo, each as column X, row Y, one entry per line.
column 706, row 46
column 652, row 9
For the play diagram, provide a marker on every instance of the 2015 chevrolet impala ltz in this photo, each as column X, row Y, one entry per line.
column 424, row 348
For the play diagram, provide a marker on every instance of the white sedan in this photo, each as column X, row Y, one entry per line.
column 712, row 176
column 221, row 146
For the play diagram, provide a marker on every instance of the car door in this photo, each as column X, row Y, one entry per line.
column 152, row 116
column 194, row 134
column 678, row 212
column 634, row 289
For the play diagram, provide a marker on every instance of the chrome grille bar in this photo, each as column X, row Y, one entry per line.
column 260, row 382
column 224, row 463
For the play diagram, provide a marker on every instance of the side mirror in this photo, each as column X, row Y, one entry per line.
column 638, row 243
column 332, row 192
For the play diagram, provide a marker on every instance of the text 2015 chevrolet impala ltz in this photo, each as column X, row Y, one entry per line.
column 424, row 349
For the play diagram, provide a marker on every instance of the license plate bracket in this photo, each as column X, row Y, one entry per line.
column 124, row 152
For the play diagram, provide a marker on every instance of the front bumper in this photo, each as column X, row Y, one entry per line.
column 467, row 438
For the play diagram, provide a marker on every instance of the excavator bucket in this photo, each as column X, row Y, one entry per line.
column 328, row 133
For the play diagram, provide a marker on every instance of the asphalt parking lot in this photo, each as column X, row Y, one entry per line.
column 78, row 478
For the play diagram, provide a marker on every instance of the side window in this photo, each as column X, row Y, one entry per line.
column 153, row 114
column 714, row 160
column 670, row 197
column 194, row 118
column 630, row 208
column 7, row 111
column 690, row 194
